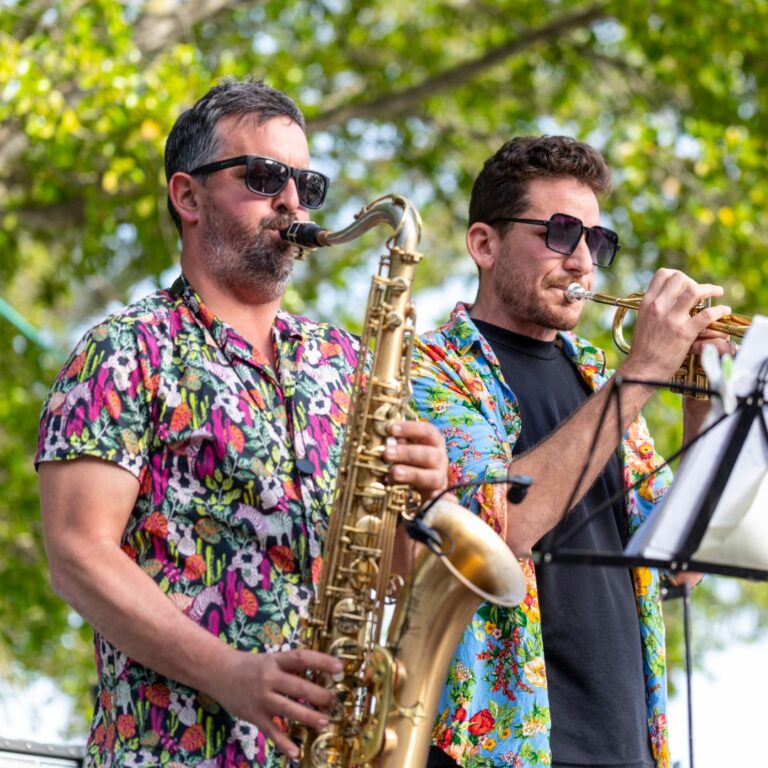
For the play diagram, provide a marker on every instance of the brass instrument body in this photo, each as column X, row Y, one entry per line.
column 690, row 378
column 388, row 691
column 443, row 597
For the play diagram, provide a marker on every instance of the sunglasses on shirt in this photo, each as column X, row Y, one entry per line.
column 269, row 177
column 565, row 231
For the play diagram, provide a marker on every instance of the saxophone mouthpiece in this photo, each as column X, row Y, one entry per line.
column 575, row 292
column 305, row 234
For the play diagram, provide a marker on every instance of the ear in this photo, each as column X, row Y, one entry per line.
column 483, row 245
column 184, row 193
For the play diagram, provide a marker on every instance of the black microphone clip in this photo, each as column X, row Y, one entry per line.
column 518, row 487
column 419, row 531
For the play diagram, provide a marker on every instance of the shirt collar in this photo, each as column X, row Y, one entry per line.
column 463, row 334
column 287, row 327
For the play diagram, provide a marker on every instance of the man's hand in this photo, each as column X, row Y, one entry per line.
column 665, row 330
column 260, row 687
column 86, row 504
column 695, row 410
column 418, row 458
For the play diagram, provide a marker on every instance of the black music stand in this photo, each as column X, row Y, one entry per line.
column 32, row 754
column 717, row 490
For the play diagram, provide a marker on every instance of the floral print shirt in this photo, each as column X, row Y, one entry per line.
column 494, row 710
column 236, row 462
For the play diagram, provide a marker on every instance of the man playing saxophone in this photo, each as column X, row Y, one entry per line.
column 574, row 675
column 187, row 458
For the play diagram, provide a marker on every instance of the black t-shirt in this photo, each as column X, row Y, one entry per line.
column 590, row 627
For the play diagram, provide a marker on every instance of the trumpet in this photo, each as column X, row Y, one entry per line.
column 690, row 378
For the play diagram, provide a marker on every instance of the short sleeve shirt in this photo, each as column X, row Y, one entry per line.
column 235, row 462
column 494, row 709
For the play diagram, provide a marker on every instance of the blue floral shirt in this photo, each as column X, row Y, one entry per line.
column 494, row 710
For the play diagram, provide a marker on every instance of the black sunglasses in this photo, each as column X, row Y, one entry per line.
column 269, row 177
column 565, row 231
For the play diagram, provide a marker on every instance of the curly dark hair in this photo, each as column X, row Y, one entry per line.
column 501, row 187
column 194, row 140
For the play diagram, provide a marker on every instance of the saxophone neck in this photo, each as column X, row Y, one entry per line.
column 396, row 211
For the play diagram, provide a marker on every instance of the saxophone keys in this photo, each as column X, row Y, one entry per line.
column 372, row 496
column 347, row 650
column 364, row 572
column 347, row 617
column 326, row 751
column 367, row 526
column 392, row 320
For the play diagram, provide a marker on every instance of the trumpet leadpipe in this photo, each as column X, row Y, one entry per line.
column 576, row 292
column 733, row 325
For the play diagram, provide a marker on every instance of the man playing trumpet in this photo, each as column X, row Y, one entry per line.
column 513, row 390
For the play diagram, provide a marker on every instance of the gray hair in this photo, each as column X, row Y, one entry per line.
column 194, row 140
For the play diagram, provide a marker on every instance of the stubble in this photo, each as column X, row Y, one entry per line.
column 523, row 295
column 245, row 258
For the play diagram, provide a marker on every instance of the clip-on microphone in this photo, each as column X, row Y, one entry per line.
column 421, row 532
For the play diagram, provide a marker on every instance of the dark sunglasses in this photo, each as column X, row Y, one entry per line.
column 565, row 231
column 269, row 177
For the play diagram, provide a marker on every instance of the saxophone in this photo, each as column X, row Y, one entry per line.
column 387, row 694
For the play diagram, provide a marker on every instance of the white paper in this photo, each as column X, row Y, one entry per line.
column 738, row 531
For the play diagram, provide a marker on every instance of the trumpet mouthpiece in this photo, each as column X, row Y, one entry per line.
column 575, row 292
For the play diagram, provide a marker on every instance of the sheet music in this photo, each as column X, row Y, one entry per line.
column 738, row 531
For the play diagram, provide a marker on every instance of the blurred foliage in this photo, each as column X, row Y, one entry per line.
column 399, row 98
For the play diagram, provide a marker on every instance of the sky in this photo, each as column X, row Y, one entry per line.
column 730, row 727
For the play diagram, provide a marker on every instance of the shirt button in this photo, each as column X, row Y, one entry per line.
column 305, row 466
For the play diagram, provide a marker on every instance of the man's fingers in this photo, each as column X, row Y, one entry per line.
column 301, row 659
column 301, row 689
column 291, row 711
column 279, row 739
column 427, row 481
column 420, row 456
column 723, row 346
column 671, row 290
column 294, row 711
column 703, row 319
column 418, row 431
column 291, row 681
column 419, row 444
column 709, row 291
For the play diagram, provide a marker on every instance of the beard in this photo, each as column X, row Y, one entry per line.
column 524, row 296
column 246, row 257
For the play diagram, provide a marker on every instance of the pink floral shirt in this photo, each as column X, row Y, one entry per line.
column 236, row 463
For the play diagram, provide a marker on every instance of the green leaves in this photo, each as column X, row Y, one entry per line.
column 396, row 101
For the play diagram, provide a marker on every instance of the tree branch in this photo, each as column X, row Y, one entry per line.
column 406, row 101
column 164, row 22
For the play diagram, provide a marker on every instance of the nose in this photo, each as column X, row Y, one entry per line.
column 288, row 199
column 580, row 261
